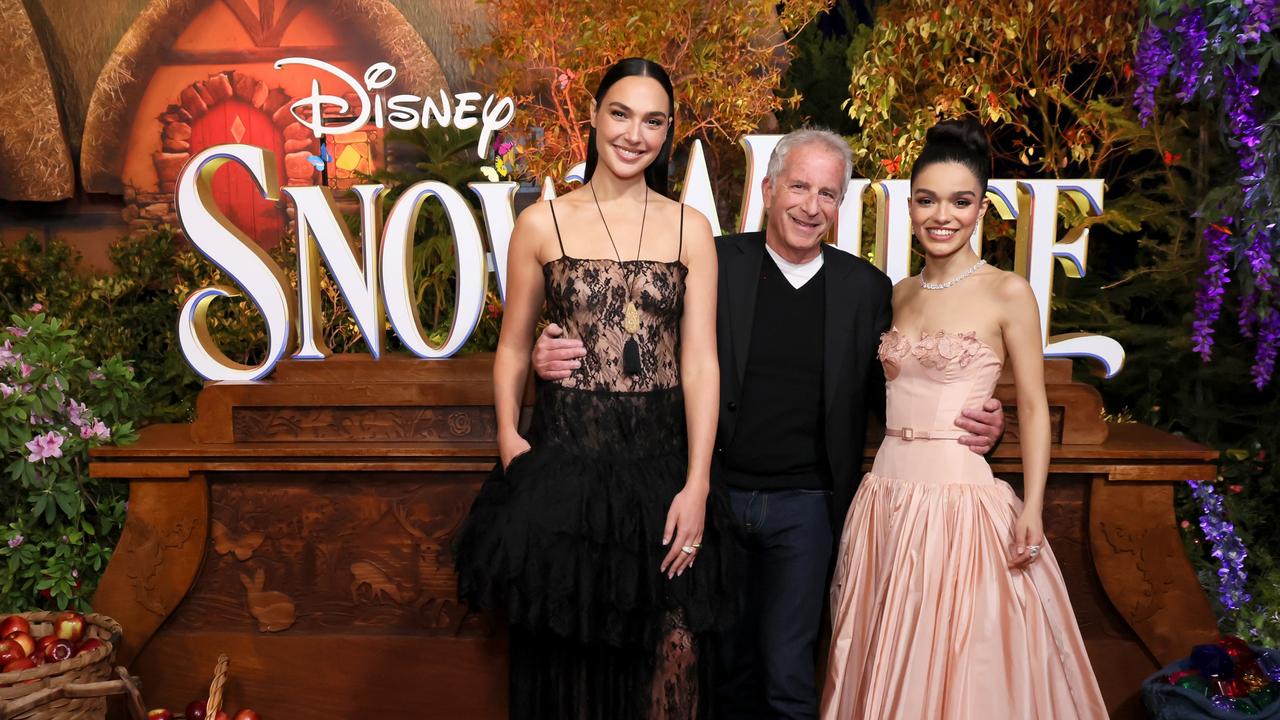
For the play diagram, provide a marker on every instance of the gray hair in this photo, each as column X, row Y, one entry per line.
column 811, row 136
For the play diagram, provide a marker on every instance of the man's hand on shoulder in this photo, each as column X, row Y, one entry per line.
column 986, row 424
column 556, row 357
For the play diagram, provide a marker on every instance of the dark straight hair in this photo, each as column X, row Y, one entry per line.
column 655, row 176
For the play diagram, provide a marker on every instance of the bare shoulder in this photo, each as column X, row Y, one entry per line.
column 905, row 288
column 536, row 217
column 535, row 230
column 695, row 223
column 1011, row 287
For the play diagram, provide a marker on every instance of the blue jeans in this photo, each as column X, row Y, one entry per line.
column 766, row 662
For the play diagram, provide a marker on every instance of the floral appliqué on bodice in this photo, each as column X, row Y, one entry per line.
column 588, row 298
column 938, row 350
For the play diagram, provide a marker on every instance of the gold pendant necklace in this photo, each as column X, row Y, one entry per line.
column 630, row 315
column 631, row 318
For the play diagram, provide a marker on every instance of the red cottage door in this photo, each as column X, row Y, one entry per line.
column 236, row 121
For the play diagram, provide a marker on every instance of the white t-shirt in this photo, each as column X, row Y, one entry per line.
column 797, row 273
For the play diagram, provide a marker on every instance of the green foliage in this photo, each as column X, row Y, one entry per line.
column 1057, row 107
column 441, row 154
column 819, row 71
column 58, row 526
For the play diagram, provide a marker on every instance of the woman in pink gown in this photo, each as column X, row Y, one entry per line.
column 947, row 602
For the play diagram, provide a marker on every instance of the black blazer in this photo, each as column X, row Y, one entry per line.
column 859, row 309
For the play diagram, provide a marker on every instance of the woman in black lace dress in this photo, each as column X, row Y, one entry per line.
column 599, row 535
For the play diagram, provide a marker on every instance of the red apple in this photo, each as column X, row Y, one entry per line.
column 196, row 710
column 222, row 715
column 247, row 715
column 13, row 624
column 16, row 665
column 69, row 626
column 88, row 646
column 159, row 714
column 10, row 651
column 43, row 642
column 27, row 642
column 58, row 651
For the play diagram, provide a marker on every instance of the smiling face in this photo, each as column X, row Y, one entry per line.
column 631, row 123
column 802, row 201
column 947, row 202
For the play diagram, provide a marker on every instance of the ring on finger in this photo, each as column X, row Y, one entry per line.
column 1033, row 551
column 689, row 549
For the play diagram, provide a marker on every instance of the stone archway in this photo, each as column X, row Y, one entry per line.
column 144, row 209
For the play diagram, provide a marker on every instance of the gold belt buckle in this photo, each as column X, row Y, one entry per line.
column 908, row 434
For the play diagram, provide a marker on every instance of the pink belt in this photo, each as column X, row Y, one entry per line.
column 910, row 434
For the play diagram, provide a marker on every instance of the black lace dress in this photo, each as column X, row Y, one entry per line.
column 567, row 543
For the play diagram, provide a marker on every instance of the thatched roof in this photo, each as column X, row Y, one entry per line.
column 139, row 53
column 35, row 163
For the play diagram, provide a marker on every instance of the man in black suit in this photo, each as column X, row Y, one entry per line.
column 798, row 324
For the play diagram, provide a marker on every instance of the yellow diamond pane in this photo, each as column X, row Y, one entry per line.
column 237, row 129
column 350, row 158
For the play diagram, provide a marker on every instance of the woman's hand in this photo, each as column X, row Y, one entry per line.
column 685, row 520
column 1028, row 533
column 511, row 447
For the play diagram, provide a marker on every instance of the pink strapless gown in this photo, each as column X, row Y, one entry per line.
column 928, row 621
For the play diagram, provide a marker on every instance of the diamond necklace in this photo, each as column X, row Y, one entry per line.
column 952, row 281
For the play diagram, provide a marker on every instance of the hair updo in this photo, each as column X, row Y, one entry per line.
column 960, row 141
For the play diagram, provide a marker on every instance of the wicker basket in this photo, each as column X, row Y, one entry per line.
column 74, row 689
column 213, row 703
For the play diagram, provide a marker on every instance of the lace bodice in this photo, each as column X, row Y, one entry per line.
column 930, row 380
column 588, row 299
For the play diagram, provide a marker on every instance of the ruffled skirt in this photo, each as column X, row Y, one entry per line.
column 930, row 622
column 567, row 545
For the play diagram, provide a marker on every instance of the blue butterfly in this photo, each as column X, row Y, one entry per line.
column 319, row 161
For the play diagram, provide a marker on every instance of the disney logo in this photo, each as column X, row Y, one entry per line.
column 403, row 112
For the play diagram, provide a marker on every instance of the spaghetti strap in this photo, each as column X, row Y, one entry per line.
column 680, row 247
column 552, row 204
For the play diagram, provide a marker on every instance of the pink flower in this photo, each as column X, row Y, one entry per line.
column 505, row 147
column 96, row 375
column 76, row 413
column 6, row 390
column 37, row 307
column 26, row 370
column 7, row 355
column 17, row 331
column 96, row 431
column 48, row 445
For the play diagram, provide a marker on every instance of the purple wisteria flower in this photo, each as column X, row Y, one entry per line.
column 1195, row 40
column 42, row 447
column 1212, row 287
column 1243, row 123
column 1264, row 362
column 1259, row 18
column 1227, row 546
column 1150, row 65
